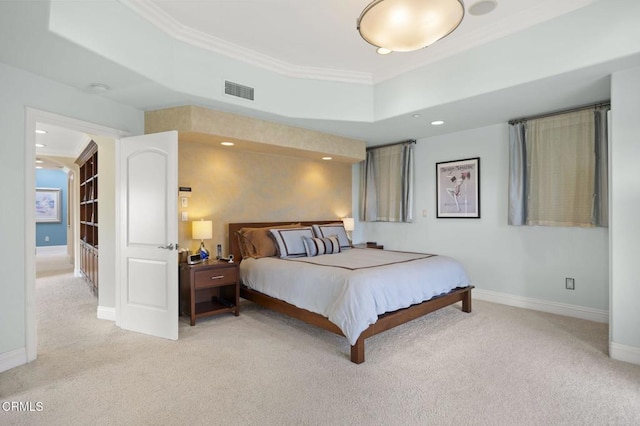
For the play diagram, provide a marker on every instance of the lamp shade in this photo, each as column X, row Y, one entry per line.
column 202, row 230
column 406, row 25
column 349, row 224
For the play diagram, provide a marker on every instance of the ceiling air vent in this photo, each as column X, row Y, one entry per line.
column 235, row 89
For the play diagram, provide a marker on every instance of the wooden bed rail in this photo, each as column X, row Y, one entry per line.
column 385, row 322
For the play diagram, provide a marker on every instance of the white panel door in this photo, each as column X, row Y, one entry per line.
column 148, row 234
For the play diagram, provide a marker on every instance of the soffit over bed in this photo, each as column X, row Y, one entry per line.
column 202, row 125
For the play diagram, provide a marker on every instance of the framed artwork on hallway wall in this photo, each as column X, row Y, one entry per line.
column 48, row 205
column 458, row 189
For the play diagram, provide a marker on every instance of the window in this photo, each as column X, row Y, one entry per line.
column 558, row 170
column 387, row 184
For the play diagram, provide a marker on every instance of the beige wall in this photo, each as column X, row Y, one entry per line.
column 202, row 125
column 232, row 185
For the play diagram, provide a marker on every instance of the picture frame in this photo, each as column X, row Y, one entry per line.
column 47, row 205
column 458, row 189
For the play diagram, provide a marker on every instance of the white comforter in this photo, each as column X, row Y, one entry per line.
column 353, row 287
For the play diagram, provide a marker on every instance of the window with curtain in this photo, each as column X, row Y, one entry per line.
column 558, row 170
column 387, row 184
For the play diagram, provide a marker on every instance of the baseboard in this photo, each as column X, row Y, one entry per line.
column 106, row 313
column 12, row 359
column 591, row 314
column 624, row 353
column 62, row 250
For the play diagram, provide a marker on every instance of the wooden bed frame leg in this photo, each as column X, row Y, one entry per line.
column 357, row 351
column 466, row 301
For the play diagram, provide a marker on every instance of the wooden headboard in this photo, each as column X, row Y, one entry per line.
column 234, row 246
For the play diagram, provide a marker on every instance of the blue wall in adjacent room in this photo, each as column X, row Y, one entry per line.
column 57, row 232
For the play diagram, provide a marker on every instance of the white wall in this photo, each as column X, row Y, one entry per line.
column 625, row 231
column 529, row 263
column 20, row 90
column 107, row 228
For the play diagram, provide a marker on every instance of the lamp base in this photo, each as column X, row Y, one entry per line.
column 204, row 253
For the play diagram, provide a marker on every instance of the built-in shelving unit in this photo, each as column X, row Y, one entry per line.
column 88, row 162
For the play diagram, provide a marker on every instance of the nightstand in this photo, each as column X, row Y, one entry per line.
column 209, row 288
column 371, row 245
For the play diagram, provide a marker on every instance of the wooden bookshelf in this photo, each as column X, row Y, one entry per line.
column 88, row 162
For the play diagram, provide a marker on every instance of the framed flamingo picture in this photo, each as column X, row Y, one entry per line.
column 458, row 189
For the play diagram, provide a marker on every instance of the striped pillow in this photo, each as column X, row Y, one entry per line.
column 318, row 246
column 331, row 229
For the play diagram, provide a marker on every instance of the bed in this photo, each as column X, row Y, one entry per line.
column 287, row 286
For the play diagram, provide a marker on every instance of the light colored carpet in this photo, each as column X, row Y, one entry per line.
column 496, row 366
column 53, row 263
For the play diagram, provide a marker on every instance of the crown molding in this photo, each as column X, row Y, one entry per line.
column 542, row 11
column 169, row 25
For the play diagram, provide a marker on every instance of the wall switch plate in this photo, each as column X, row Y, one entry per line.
column 185, row 201
column 570, row 283
column 185, row 216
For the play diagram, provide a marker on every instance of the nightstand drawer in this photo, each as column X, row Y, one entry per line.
column 215, row 277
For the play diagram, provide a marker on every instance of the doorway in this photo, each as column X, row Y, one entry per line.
column 32, row 118
column 54, row 233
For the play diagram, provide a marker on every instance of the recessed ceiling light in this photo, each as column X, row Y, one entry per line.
column 41, row 132
column 416, row 115
column 38, row 167
column 98, row 87
column 227, row 143
column 38, row 161
column 383, row 51
column 482, row 7
column 40, row 145
column 437, row 123
column 327, row 158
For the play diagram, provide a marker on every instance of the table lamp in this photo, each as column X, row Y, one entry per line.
column 349, row 225
column 202, row 230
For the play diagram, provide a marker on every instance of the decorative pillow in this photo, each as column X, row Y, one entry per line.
column 289, row 241
column 319, row 246
column 337, row 229
column 257, row 242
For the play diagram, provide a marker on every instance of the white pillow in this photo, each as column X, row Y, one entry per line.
column 337, row 229
column 290, row 242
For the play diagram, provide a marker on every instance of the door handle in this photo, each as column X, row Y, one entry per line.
column 168, row 247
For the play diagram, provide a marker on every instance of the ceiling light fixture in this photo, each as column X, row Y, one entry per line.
column 327, row 158
column 41, row 132
column 406, row 25
column 40, row 145
column 437, row 123
column 226, row 143
column 39, row 161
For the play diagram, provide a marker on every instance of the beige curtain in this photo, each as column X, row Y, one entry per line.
column 561, row 163
column 387, row 184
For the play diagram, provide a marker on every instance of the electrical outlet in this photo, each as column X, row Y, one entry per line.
column 185, row 216
column 570, row 283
